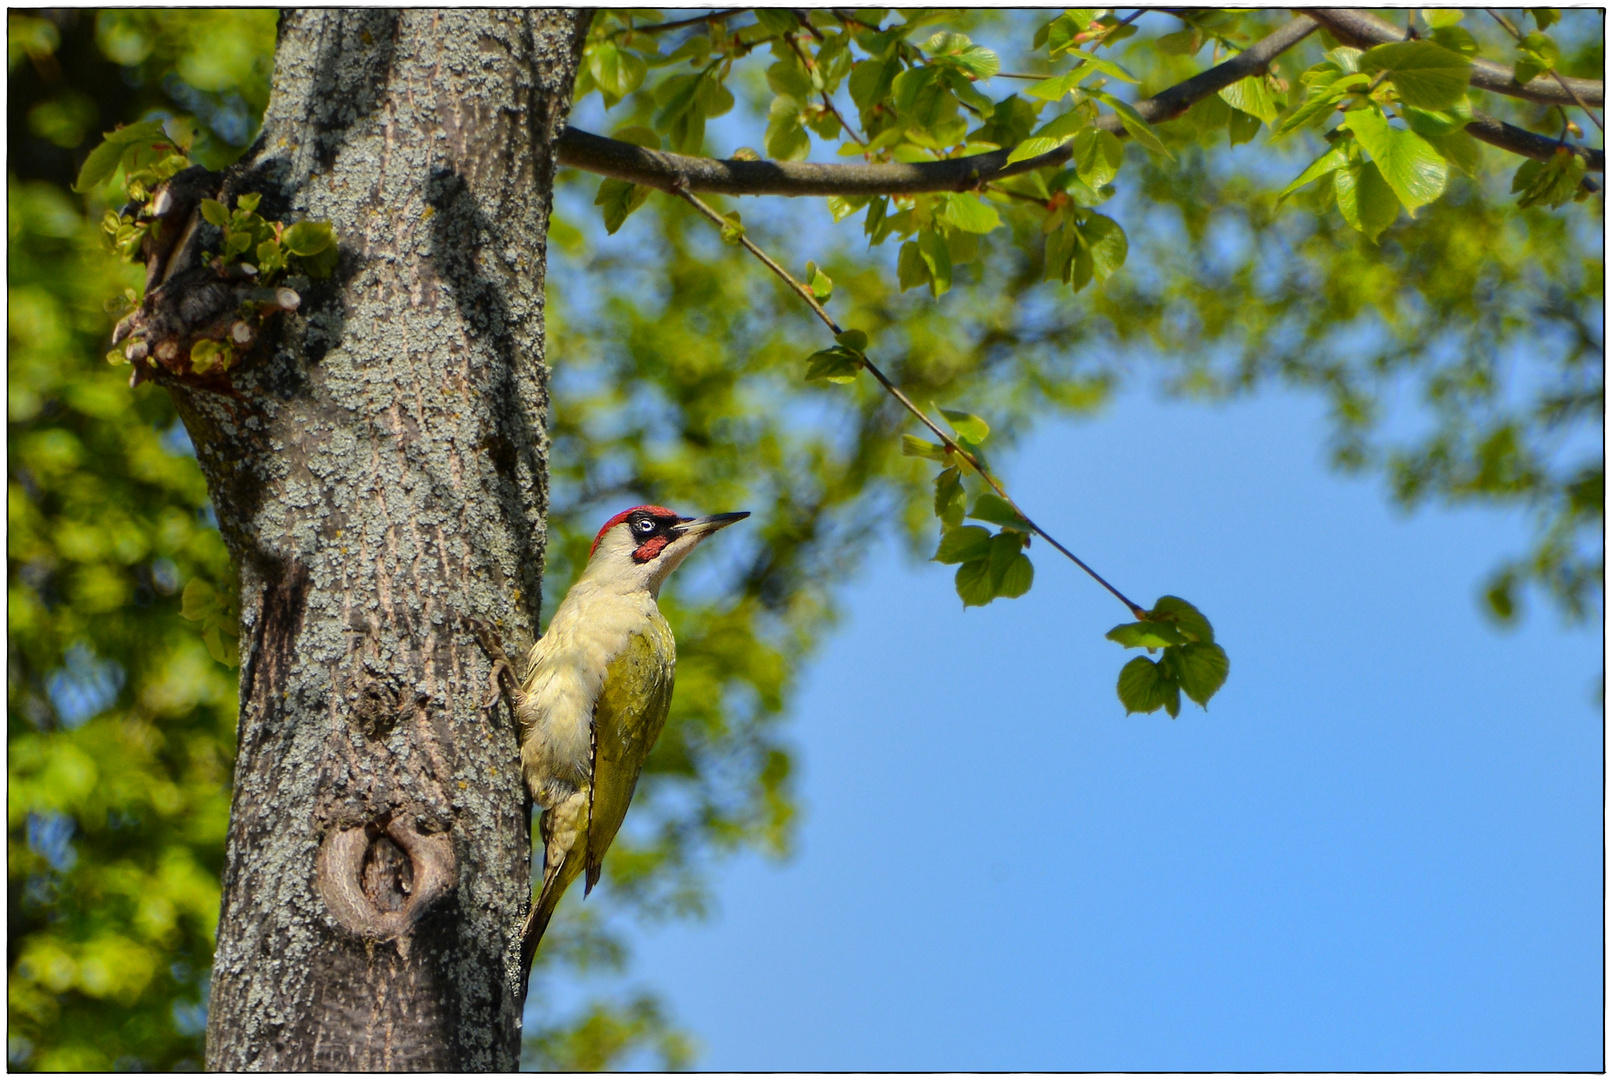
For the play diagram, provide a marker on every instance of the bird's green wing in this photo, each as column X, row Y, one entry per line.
column 627, row 720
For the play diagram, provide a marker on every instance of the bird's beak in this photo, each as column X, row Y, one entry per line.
column 704, row 526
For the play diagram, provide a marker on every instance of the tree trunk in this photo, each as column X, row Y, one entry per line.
column 380, row 479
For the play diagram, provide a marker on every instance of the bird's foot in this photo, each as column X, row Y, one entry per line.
column 502, row 681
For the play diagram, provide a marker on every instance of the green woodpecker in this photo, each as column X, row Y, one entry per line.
column 595, row 695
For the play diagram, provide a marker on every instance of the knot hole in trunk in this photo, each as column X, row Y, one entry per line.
column 379, row 879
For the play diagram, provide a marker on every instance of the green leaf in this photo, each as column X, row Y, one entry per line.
column 1252, row 96
column 1146, row 635
column 932, row 247
column 1442, row 17
column 1416, row 172
column 1107, row 67
column 838, row 364
column 869, row 81
column 215, row 213
column 855, row 340
column 913, row 446
column 963, row 544
column 911, row 270
column 1423, row 73
column 1541, row 48
column 638, row 135
column 965, row 211
column 323, row 264
column 974, row 583
column 976, row 60
column 998, row 511
column 618, row 198
column 1181, row 43
column 961, row 85
column 1432, row 124
column 270, row 258
column 1460, row 150
column 103, row 161
column 1318, row 105
column 1187, row 618
column 1545, row 17
column 1035, row 147
column 821, row 284
column 1145, row 687
column 1346, row 57
column 205, row 355
column 967, row 425
column 1457, row 39
column 788, row 77
column 198, row 601
column 1241, row 128
column 1105, row 242
column 1068, row 123
column 948, row 496
column 1097, row 156
column 1364, row 198
column 1552, row 182
column 604, row 65
column 1015, row 577
column 786, row 139
column 1334, row 159
column 1061, row 244
column 1139, row 128
column 1200, row 668
column 777, row 21
column 1056, row 87
column 841, row 208
column 308, row 237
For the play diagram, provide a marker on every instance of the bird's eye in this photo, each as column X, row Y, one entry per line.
column 646, row 526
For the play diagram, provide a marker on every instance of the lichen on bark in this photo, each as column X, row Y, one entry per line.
column 381, row 480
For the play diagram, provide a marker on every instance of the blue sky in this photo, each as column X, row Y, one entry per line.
column 1380, row 849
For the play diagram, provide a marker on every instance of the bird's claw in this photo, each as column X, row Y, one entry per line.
column 503, row 681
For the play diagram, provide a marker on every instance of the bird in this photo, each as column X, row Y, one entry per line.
column 593, row 695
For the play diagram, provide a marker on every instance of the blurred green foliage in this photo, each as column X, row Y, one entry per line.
column 121, row 725
column 1460, row 354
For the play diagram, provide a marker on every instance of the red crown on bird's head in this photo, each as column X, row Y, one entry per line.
column 653, row 511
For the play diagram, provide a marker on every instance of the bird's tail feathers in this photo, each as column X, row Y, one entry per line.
column 537, row 921
column 557, row 879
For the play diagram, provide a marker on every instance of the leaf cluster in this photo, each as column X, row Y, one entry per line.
column 1192, row 663
column 252, row 247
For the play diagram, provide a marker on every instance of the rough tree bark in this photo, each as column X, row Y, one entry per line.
column 380, row 478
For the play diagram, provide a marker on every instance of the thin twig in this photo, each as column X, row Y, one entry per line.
column 895, row 391
column 828, row 102
column 715, row 16
column 1579, row 101
column 1021, row 196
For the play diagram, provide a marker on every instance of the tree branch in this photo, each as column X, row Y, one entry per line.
column 714, row 16
column 670, row 172
column 1363, row 30
column 1527, row 144
column 1561, row 79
